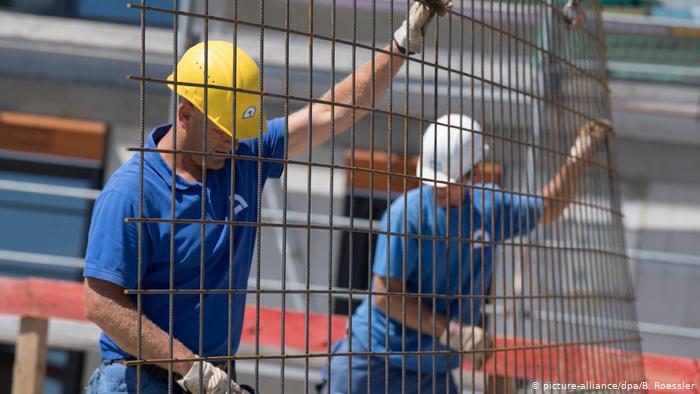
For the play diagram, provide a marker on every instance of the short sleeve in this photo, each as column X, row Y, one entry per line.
column 112, row 249
column 396, row 245
column 519, row 214
column 273, row 147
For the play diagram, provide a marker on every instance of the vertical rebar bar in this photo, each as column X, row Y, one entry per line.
column 530, row 84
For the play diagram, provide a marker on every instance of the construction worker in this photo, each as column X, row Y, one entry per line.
column 169, row 255
column 419, row 264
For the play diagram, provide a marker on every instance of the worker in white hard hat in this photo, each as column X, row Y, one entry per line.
column 417, row 260
column 157, row 255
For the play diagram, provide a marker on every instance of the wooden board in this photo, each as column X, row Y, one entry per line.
column 30, row 356
column 52, row 136
column 363, row 178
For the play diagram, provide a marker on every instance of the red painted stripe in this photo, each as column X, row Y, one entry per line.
column 571, row 363
column 671, row 370
column 42, row 298
column 295, row 328
column 525, row 359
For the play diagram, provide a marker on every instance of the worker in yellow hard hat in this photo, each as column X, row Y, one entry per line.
column 221, row 103
column 187, row 174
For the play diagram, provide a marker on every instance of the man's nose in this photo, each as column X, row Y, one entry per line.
column 230, row 146
column 225, row 139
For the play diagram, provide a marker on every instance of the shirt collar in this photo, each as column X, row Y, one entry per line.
column 464, row 207
column 156, row 161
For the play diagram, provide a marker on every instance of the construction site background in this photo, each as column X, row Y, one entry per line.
column 69, row 58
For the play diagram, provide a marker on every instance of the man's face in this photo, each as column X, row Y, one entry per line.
column 217, row 140
column 452, row 195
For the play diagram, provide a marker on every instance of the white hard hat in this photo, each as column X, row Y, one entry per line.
column 458, row 143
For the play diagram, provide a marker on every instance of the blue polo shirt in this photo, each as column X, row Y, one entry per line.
column 489, row 215
column 112, row 251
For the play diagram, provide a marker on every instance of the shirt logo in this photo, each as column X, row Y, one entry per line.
column 239, row 204
column 480, row 238
column 435, row 166
column 438, row 166
column 249, row 112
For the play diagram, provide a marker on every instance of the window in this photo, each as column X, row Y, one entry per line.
column 36, row 224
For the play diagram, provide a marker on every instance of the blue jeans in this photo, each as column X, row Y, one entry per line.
column 112, row 377
column 414, row 381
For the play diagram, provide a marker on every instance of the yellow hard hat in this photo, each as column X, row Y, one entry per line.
column 190, row 69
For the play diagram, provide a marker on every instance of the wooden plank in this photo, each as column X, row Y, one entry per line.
column 500, row 385
column 53, row 136
column 364, row 179
column 364, row 162
column 30, row 356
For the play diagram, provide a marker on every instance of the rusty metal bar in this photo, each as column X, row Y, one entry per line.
column 528, row 82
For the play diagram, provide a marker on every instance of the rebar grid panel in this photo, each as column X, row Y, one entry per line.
column 554, row 295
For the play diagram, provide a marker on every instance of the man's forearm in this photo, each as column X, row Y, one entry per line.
column 419, row 316
column 370, row 82
column 155, row 342
column 116, row 315
column 560, row 190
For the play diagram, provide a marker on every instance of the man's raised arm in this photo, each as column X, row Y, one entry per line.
column 562, row 187
column 370, row 81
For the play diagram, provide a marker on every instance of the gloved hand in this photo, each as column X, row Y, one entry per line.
column 466, row 338
column 574, row 17
column 215, row 380
column 590, row 135
column 409, row 37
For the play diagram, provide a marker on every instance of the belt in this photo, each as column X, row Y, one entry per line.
column 162, row 373
column 151, row 369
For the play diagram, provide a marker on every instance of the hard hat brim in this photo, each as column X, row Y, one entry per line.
column 225, row 128
column 430, row 176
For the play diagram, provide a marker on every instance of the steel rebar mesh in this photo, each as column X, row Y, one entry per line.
column 559, row 303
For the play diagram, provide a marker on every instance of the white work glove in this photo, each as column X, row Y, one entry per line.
column 215, row 380
column 574, row 17
column 409, row 37
column 471, row 338
column 590, row 135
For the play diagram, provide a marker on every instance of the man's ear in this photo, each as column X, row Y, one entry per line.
column 185, row 114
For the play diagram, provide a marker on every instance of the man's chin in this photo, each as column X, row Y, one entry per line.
column 216, row 164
